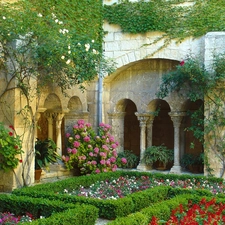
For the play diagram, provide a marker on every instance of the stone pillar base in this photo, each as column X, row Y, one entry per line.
column 175, row 169
column 141, row 166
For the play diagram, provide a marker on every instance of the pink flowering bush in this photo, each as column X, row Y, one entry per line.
column 89, row 152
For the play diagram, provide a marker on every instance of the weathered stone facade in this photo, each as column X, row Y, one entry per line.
column 128, row 97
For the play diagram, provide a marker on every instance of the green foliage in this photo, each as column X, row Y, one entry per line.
column 53, row 42
column 45, row 153
column 157, row 153
column 132, row 159
column 175, row 19
column 10, row 148
column 191, row 78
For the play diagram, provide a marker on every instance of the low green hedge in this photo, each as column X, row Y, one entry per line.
column 20, row 205
column 109, row 209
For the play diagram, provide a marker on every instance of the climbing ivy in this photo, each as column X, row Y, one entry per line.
column 176, row 19
column 192, row 79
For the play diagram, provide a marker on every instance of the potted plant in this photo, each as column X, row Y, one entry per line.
column 158, row 154
column 187, row 160
column 132, row 159
column 45, row 153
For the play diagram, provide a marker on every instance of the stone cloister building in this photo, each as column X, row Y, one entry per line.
column 127, row 98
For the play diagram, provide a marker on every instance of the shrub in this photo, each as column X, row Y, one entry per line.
column 131, row 159
column 89, row 152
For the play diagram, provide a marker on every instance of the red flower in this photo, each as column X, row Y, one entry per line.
column 182, row 63
column 16, row 147
column 12, row 127
column 20, row 160
column 10, row 133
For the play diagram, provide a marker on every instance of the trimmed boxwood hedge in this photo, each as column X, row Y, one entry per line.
column 111, row 209
column 53, row 210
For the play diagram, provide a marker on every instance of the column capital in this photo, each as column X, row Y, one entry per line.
column 177, row 117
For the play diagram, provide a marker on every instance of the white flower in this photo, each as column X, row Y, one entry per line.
column 68, row 46
column 79, row 44
column 62, row 57
column 95, row 52
column 39, row 15
column 3, row 17
column 53, row 15
column 87, row 47
column 56, row 20
column 60, row 22
column 93, row 41
column 68, row 61
column 69, row 52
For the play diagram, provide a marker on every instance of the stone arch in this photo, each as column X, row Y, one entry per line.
column 51, row 105
column 74, row 105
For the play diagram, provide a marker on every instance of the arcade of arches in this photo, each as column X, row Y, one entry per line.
column 138, row 118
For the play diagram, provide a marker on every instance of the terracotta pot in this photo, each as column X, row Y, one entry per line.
column 37, row 174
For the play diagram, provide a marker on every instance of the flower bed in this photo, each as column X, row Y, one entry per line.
column 205, row 212
column 125, row 185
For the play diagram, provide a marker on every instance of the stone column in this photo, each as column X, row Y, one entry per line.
column 59, row 118
column 142, row 117
column 176, row 117
column 116, row 120
column 50, row 119
column 149, row 130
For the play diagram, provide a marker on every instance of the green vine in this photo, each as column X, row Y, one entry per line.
column 174, row 18
column 196, row 82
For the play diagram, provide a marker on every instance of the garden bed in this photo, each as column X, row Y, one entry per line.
column 165, row 187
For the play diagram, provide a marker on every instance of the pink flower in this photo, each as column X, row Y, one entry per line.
column 101, row 124
column 103, row 154
column 93, row 162
column 182, row 63
column 69, row 150
column 87, row 139
column 114, row 153
column 124, row 160
column 75, row 127
column 91, row 154
column 65, row 158
column 81, row 126
column 113, row 159
column 76, row 144
column 77, row 136
column 102, row 162
column 114, row 145
column 88, row 125
column 96, row 150
column 97, row 171
column 74, row 150
column 67, row 135
column 105, row 147
column 108, row 162
column 80, row 122
column 107, row 126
